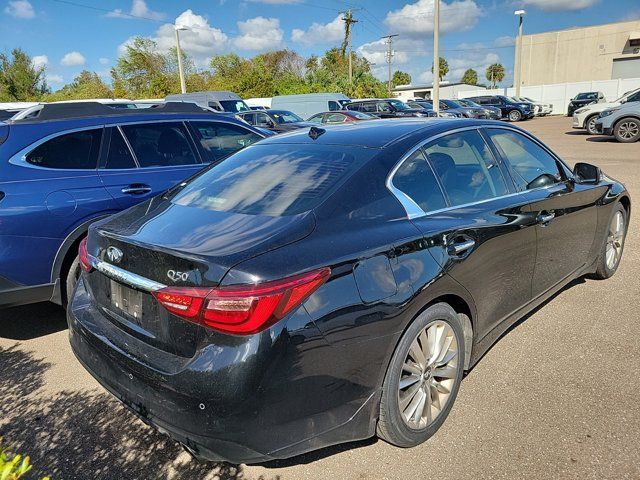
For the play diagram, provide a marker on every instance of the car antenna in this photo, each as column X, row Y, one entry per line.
column 315, row 132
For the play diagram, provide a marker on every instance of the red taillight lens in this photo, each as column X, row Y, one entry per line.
column 83, row 255
column 242, row 309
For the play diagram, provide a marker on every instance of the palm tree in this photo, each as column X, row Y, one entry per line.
column 495, row 73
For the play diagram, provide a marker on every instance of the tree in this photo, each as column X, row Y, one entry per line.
column 85, row 85
column 400, row 78
column 20, row 80
column 495, row 73
column 444, row 68
column 470, row 77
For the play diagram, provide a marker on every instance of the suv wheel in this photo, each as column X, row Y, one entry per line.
column 590, row 124
column 423, row 378
column 515, row 116
column 627, row 130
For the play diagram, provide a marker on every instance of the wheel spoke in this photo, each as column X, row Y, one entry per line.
column 408, row 396
column 448, row 340
column 413, row 405
column 424, row 343
column 435, row 397
column 417, row 416
column 408, row 381
column 416, row 352
column 451, row 354
column 411, row 368
column 441, row 388
column 445, row 372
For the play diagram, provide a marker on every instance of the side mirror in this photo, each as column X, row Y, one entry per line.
column 544, row 180
column 586, row 173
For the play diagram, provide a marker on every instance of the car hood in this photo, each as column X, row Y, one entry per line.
column 599, row 107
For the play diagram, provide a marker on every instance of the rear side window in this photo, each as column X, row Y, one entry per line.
column 333, row 105
column 416, row 180
column 335, row 118
column 221, row 139
column 160, row 144
column 119, row 155
column 273, row 179
column 75, row 151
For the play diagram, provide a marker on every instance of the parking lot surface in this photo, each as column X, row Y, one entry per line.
column 556, row 397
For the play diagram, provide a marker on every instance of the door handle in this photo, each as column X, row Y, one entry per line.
column 458, row 248
column 136, row 189
column 545, row 218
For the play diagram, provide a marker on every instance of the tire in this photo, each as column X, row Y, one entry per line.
column 613, row 244
column 70, row 281
column 590, row 125
column 515, row 116
column 627, row 130
column 429, row 381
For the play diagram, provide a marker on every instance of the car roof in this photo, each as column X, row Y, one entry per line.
column 373, row 133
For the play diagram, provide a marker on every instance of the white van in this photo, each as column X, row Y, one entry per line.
column 220, row 101
column 308, row 104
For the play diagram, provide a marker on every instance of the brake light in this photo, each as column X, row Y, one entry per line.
column 242, row 309
column 83, row 255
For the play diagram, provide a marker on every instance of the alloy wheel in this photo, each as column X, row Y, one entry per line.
column 615, row 240
column 429, row 373
column 514, row 115
column 591, row 125
column 628, row 130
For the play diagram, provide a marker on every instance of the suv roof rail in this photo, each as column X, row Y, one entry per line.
column 61, row 111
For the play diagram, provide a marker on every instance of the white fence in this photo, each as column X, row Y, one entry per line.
column 559, row 94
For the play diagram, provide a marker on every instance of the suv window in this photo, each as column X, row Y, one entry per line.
column 263, row 120
column 368, row 107
column 466, row 168
column 384, row 107
column 528, row 160
column 77, row 151
column 334, row 106
column 634, row 97
column 160, row 144
column 416, row 180
column 119, row 155
column 221, row 139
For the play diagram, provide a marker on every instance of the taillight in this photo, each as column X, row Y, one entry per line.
column 242, row 309
column 83, row 255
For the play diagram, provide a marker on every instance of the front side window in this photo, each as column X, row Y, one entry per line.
column 160, row 144
column 221, row 139
column 415, row 179
column 263, row 120
column 336, row 118
column 384, row 107
column 74, row 151
column 466, row 168
column 368, row 107
column 531, row 164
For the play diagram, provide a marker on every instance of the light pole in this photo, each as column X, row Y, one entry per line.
column 183, row 86
column 518, row 61
column 436, row 56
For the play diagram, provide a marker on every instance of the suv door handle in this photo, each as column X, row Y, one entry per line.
column 458, row 248
column 545, row 218
column 136, row 189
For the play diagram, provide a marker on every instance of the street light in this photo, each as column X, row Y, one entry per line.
column 183, row 86
column 436, row 57
column 518, row 62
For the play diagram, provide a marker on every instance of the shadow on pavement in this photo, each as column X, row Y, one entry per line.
column 32, row 321
column 86, row 435
column 602, row 139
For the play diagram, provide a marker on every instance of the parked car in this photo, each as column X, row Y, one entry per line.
column 622, row 122
column 258, row 107
column 67, row 165
column 540, row 109
column 583, row 99
column 275, row 120
column 491, row 113
column 9, row 109
column 340, row 116
column 510, row 109
column 219, row 101
column 585, row 117
column 308, row 104
column 334, row 284
column 386, row 108
column 427, row 106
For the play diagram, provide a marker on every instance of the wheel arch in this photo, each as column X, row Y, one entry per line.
column 624, row 117
column 626, row 203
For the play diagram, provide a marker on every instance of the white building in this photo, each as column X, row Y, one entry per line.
column 447, row 90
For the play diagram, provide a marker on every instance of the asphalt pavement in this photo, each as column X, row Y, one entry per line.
column 556, row 397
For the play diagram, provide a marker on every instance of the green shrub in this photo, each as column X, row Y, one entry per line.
column 15, row 468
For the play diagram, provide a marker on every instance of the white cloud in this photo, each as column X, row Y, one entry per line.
column 505, row 41
column 73, row 59
column 39, row 61
column 558, row 5
column 140, row 9
column 417, row 18
column 20, row 9
column 426, row 77
column 320, row 33
column 57, row 79
column 259, row 34
column 404, row 50
column 103, row 61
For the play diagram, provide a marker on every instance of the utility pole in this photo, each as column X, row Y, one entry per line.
column 517, row 80
column 183, row 87
column 348, row 20
column 436, row 56
column 389, row 42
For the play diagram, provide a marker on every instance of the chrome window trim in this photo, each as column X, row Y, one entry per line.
column 126, row 141
column 120, row 275
column 413, row 209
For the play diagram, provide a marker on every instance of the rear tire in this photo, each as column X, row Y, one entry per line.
column 627, row 130
column 613, row 246
column 590, row 125
column 70, row 281
column 423, row 378
column 515, row 116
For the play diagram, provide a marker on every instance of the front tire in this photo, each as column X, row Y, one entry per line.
column 627, row 130
column 423, row 378
column 515, row 116
column 611, row 251
column 590, row 125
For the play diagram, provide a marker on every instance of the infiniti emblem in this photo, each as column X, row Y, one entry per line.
column 114, row 254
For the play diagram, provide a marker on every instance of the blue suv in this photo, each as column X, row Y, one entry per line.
column 64, row 166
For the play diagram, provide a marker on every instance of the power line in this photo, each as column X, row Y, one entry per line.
column 389, row 42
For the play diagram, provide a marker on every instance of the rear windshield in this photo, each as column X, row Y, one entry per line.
column 273, row 180
column 234, row 106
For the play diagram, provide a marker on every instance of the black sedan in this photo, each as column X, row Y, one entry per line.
column 332, row 284
column 275, row 120
column 583, row 99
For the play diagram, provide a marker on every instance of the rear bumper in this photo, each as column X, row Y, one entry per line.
column 245, row 402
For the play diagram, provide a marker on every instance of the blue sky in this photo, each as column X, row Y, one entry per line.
column 69, row 36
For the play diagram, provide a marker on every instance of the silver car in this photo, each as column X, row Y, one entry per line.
column 622, row 122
